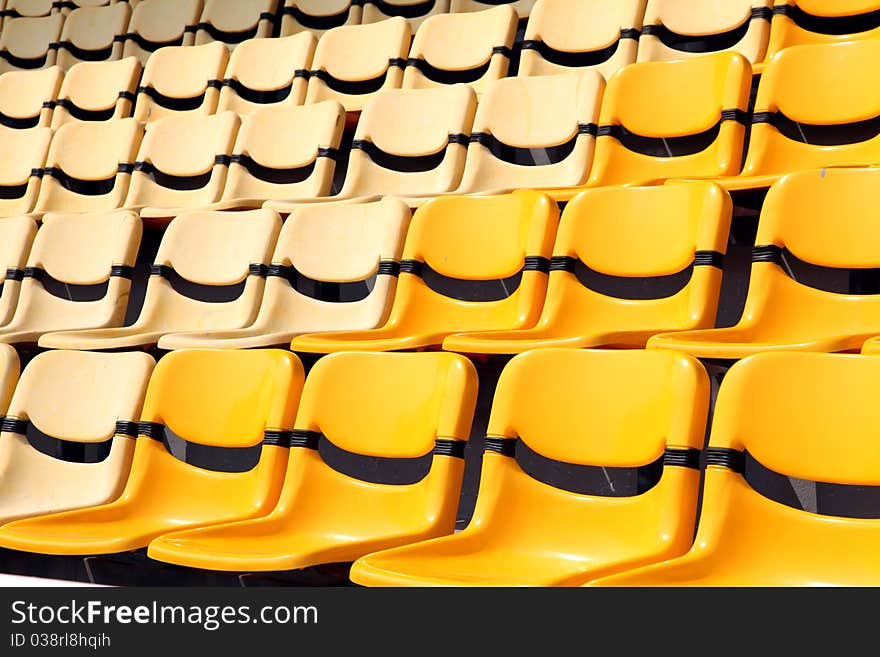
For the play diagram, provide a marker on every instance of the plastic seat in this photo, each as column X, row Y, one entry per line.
column 216, row 401
column 634, row 411
column 267, row 72
column 232, row 21
column 674, row 29
column 815, row 226
column 27, row 97
column 209, row 273
column 25, row 43
column 334, row 268
column 182, row 164
column 181, row 80
column 89, row 166
column 523, row 7
column 407, row 141
column 78, row 275
column 581, row 34
column 318, row 16
column 93, row 34
column 10, row 368
column 28, row 8
column 97, row 91
column 472, row 48
column 414, row 11
column 809, row 416
column 629, row 262
column 325, row 516
column 354, row 62
column 158, row 24
column 470, row 263
column 22, row 156
column 16, row 238
column 68, row 436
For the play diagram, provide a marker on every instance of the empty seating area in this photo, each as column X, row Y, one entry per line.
column 450, row 293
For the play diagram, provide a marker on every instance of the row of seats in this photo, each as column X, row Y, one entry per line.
column 123, row 454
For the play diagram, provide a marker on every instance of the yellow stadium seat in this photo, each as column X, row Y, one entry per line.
column 93, row 34
column 10, row 368
column 89, row 166
column 16, row 237
column 324, row 516
column 97, row 91
column 209, row 273
column 26, row 42
column 581, row 34
column 232, row 21
column 27, row 97
column 318, row 16
column 809, row 416
column 470, row 263
column 414, row 11
column 198, row 396
column 68, row 436
column 677, row 29
column 634, row 410
column 158, row 24
column 629, row 262
column 78, row 275
column 182, row 164
column 472, row 48
column 267, row 72
column 523, row 7
column 824, row 219
column 22, row 156
column 335, row 267
column 181, row 80
column 354, row 62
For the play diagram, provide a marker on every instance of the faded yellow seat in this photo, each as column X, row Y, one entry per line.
column 28, row 97
column 354, row 62
column 68, row 436
column 607, row 410
column 25, row 43
column 629, row 262
column 16, row 238
column 209, row 273
column 318, row 16
column 581, row 34
column 10, row 368
column 808, row 416
column 215, row 401
column 158, row 24
column 22, row 156
column 334, row 268
column 93, row 34
column 325, row 516
column 97, row 91
column 19, row 8
column 267, row 73
column 470, row 263
column 523, row 7
column 414, row 11
column 232, row 21
column 78, row 275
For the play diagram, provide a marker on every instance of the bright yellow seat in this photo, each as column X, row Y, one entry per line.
column 826, row 219
column 607, row 410
column 809, row 416
column 16, row 238
column 158, row 24
column 22, row 157
column 25, row 42
column 97, row 91
column 231, row 22
column 68, row 436
column 27, row 98
column 215, row 401
column 93, row 34
column 318, row 16
column 629, row 262
column 473, row 263
column 326, row 516
column 415, row 12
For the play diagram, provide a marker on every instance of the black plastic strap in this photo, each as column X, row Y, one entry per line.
column 413, row 267
column 767, row 253
column 172, row 103
column 153, row 430
column 503, row 446
column 24, row 123
column 830, row 24
column 763, row 13
column 536, row 263
column 126, row 428
column 14, row 425
column 388, row 268
column 447, row 447
column 306, row 439
column 738, row 115
column 13, row 274
column 318, row 22
column 709, row 259
column 588, row 129
column 238, row 36
column 28, row 63
column 84, row 54
column 260, row 96
column 152, row 46
column 724, row 457
column 406, row 11
column 277, row 438
column 258, row 269
column 179, row 183
column 684, row 458
column 121, row 271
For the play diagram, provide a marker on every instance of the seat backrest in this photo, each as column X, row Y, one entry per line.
column 580, row 34
column 799, row 124
column 68, row 436
column 523, row 7
column 318, row 16
column 267, row 72
column 22, row 156
column 232, row 21
column 473, row 48
column 10, row 368
column 415, row 12
column 25, row 43
column 181, row 80
column 97, row 91
column 654, row 126
column 27, row 97
column 158, row 24
column 534, row 132
column 676, row 29
column 807, row 22
column 411, row 141
column 93, row 34
column 286, row 152
column 29, row 8
column 450, row 282
column 209, row 271
column 16, row 237
column 89, row 166
column 354, row 62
